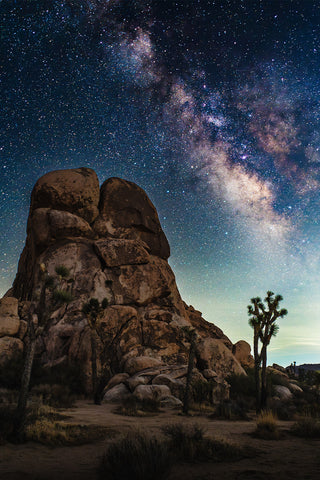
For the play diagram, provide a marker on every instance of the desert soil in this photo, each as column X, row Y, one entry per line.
column 287, row 458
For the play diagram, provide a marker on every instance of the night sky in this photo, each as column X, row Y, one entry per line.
column 213, row 107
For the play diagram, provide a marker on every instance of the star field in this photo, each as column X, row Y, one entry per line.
column 211, row 106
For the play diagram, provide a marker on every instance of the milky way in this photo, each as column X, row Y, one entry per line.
column 211, row 106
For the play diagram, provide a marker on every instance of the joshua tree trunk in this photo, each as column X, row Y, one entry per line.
column 96, row 395
column 256, row 368
column 192, row 351
column 21, row 409
column 263, row 399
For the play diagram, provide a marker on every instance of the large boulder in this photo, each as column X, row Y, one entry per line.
column 121, row 251
column 127, row 212
column 176, row 386
column 242, row 351
column 49, row 225
column 75, row 191
column 136, row 364
column 213, row 354
column 116, row 394
column 282, row 392
column 116, row 380
column 9, row 319
column 10, row 348
column 152, row 392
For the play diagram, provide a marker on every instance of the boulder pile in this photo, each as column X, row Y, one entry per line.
column 87, row 242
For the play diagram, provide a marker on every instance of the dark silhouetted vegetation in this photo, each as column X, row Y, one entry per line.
column 132, row 407
column 307, row 427
column 262, row 318
column 136, row 457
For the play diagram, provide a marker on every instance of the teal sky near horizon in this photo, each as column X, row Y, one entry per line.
column 213, row 107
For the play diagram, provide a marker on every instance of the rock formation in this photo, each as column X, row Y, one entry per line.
column 84, row 242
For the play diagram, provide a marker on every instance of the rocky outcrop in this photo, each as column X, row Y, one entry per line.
column 127, row 212
column 242, row 351
column 9, row 319
column 11, row 330
column 85, row 243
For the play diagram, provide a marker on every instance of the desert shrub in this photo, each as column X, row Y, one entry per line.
column 233, row 409
column 62, row 271
column 11, row 371
column 59, row 396
column 188, row 443
column 276, row 379
column 62, row 296
column 267, row 427
column 202, row 391
column 133, row 407
column 129, row 406
column 7, row 417
column 62, row 374
column 283, row 411
column 306, row 428
column 150, row 405
column 308, row 403
column 135, row 457
column 243, row 385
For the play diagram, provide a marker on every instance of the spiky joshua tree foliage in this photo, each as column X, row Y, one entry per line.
column 262, row 318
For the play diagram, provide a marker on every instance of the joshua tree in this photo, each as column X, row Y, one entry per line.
column 92, row 310
column 262, row 319
column 37, row 317
column 191, row 336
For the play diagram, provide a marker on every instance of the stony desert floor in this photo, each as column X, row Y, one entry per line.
column 287, row 458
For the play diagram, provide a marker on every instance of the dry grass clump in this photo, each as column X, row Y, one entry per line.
column 188, row 444
column 54, row 433
column 307, row 428
column 43, row 424
column 136, row 457
column 267, row 427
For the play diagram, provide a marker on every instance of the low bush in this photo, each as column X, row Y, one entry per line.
column 202, row 391
column 139, row 457
column 276, row 379
column 7, row 417
column 66, row 374
column 58, row 396
column 136, row 457
column 62, row 296
column 242, row 386
column 62, row 271
column 133, row 407
column 267, row 428
column 11, row 371
column 188, row 444
column 233, row 410
column 283, row 411
column 306, row 428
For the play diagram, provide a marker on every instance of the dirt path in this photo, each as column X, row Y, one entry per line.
column 288, row 458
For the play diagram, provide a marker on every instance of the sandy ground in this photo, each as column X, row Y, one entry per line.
column 288, row 458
